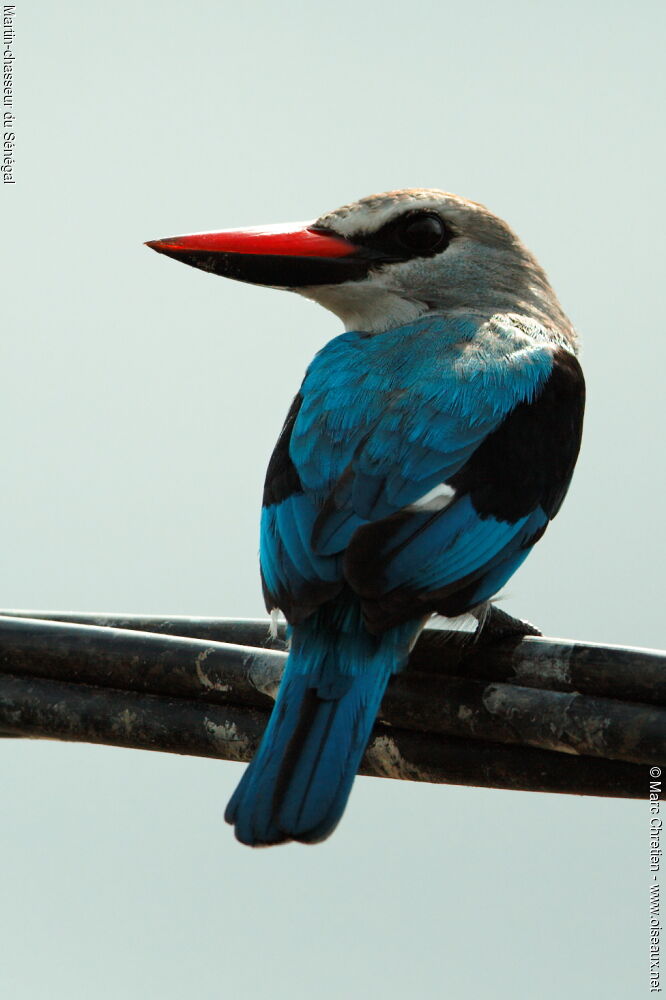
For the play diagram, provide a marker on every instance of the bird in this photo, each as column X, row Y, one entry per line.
column 428, row 448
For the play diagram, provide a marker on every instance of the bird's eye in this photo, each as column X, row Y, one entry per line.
column 422, row 232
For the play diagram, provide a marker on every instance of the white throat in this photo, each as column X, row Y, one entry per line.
column 365, row 306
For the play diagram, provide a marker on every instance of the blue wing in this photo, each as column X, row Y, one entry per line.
column 382, row 421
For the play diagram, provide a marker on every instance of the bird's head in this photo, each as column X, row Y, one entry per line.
column 387, row 260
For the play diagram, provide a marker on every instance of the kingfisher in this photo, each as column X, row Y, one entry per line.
column 424, row 455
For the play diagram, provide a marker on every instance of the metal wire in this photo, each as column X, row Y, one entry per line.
column 516, row 712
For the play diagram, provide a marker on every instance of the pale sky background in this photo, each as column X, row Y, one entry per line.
column 140, row 401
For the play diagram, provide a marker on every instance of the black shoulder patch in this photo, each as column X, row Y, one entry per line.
column 282, row 479
column 529, row 460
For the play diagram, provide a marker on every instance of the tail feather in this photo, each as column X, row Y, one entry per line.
column 297, row 786
column 319, row 783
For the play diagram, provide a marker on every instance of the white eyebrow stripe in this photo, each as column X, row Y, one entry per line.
column 361, row 219
column 437, row 498
column 368, row 219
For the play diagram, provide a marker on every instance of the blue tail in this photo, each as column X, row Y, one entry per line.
column 297, row 786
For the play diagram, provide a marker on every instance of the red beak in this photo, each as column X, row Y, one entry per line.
column 284, row 256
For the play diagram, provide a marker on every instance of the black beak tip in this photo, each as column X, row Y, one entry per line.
column 168, row 248
column 216, row 263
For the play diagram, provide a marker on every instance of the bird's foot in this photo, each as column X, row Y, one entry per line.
column 499, row 625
